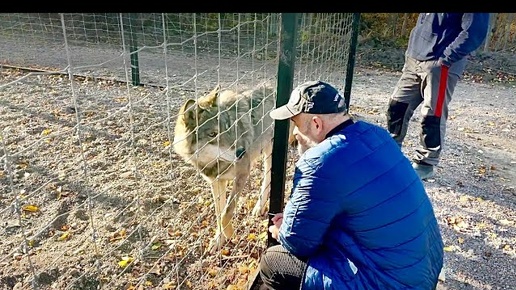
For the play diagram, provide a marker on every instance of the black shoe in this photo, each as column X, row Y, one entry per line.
column 424, row 171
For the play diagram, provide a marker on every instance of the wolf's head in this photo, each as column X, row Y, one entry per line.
column 201, row 135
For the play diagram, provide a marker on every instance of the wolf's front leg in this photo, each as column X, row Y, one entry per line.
column 218, row 190
column 242, row 169
column 260, row 207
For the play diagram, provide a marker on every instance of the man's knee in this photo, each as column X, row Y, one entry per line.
column 431, row 131
column 265, row 269
column 395, row 116
column 279, row 269
column 267, row 263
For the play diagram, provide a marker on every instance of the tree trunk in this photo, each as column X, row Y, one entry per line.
column 490, row 31
column 391, row 28
column 499, row 30
column 404, row 24
column 508, row 22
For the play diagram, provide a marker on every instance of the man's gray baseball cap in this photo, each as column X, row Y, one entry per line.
column 313, row 97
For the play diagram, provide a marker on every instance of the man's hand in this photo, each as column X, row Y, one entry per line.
column 444, row 63
column 277, row 219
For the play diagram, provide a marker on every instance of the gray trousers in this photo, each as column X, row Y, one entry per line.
column 279, row 269
column 419, row 84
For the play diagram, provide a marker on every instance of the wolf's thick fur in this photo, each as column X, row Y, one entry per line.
column 222, row 134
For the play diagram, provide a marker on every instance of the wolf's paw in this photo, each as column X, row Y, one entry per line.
column 259, row 210
column 216, row 244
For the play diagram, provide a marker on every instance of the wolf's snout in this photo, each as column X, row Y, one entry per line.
column 240, row 152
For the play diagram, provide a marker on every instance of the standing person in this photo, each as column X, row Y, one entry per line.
column 435, row 59
column 358, row 216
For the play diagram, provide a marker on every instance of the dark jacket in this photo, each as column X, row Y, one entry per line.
column 361, row 216
column 448, row 37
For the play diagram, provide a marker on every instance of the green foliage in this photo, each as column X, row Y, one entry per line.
column 387, row 29
column 316, row 30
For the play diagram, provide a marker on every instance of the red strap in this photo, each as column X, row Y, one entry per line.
column 442, row 91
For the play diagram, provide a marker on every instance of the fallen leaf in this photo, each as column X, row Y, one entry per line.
column 118, row 235
column 23, row 164
column 156, row 246
column 126, row 260
column 449, row 248
column 30, row 208
column 169, row 286
column 46, row 132
column 463, row 198
column 212, row 272
column 454, row 220
column 64, row 236
column 176, row 233
column 251, row 237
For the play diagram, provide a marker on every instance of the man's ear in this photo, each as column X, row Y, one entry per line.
column 318, row 125
column 317, row 122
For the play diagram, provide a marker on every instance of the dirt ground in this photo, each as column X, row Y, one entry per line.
column 114, row 208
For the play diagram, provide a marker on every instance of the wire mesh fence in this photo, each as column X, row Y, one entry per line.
column 92, row 193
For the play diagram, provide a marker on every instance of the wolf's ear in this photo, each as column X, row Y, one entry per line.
column 216, row 89
column 187, row 111
column 210, row 99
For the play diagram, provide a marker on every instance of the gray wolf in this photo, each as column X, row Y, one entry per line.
column 223, row 134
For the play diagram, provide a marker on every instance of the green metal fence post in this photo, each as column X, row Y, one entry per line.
column 287, row 56
column 133, row 47
column 351, row 59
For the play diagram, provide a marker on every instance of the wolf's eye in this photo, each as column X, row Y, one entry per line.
column 212, row 134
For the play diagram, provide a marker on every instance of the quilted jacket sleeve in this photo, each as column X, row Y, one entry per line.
column 311, row 207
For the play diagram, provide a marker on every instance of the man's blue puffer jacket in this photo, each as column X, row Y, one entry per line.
column 361, row 215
